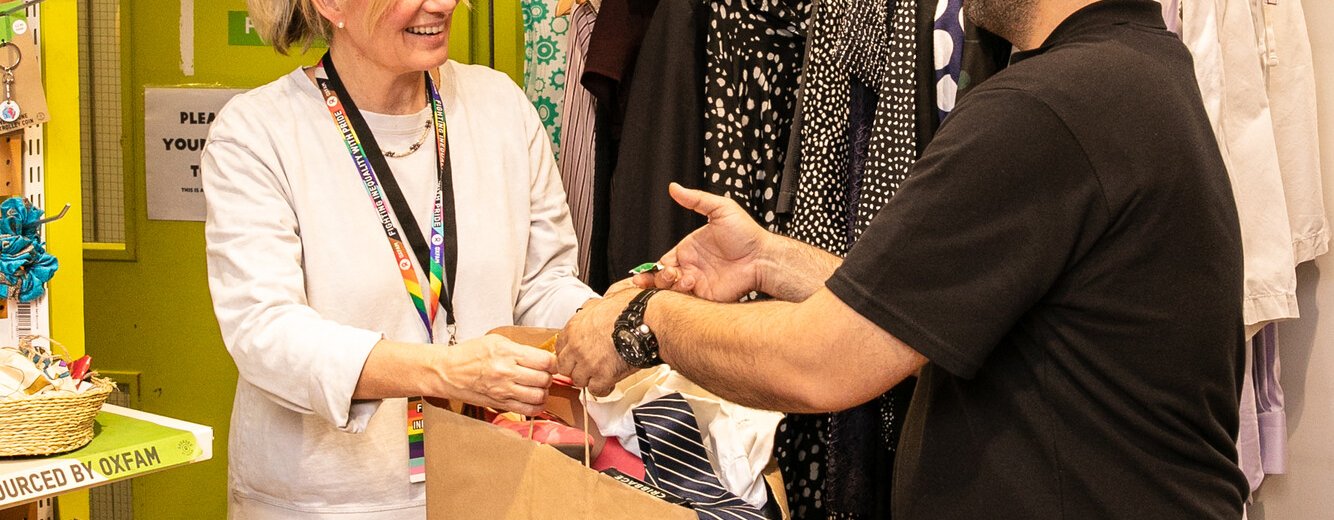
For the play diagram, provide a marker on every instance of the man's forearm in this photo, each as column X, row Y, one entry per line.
column 791, row 270
column 816, row 356
column 715, row 346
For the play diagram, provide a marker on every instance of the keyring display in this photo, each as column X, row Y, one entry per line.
column 9, row 108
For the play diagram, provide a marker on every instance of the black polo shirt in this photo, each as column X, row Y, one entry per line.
column 1067, row 255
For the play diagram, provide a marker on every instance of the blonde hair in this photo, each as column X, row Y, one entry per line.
column 285, row 24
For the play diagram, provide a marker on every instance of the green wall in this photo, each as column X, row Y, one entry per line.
column 148, row 308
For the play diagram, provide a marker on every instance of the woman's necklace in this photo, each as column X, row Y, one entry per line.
column 426, row 130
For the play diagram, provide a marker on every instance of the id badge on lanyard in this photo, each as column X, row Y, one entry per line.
column 368, row 158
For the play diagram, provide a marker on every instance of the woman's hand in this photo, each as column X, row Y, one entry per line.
column 495, row 372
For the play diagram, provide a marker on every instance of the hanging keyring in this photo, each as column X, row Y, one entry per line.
column 18, row 56
column 9, row 109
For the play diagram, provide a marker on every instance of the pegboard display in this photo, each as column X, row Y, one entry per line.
column 32, row 318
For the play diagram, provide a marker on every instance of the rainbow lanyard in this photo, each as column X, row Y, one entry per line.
column 368, row 158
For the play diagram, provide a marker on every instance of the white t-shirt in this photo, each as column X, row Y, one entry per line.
column 304, row 282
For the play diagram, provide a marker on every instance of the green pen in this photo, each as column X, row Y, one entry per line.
column 650, row 267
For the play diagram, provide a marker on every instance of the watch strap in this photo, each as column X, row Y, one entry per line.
column 640, row 302
column 632, row 319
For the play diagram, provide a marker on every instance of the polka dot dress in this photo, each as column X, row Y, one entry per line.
column 800, row 447
column 752, row 62
column 851, row 41
column 824, row 458
column 948, row 54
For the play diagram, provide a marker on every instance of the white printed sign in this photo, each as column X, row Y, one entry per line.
column 176, row 122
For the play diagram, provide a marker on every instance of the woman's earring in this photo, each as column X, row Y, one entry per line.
column 340, row 25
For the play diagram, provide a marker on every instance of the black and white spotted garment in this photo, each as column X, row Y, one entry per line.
column 838, row 466
column 851, row 41
column 752, row 62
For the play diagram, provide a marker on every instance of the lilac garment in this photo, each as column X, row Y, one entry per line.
column 948, row 40
column 1172, row 15
column 1262, row 442
column 1273, row 422
column 1248, row 435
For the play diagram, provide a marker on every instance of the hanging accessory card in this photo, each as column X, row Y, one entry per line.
column 440, row 255
column 9, row 109
column 23, row 79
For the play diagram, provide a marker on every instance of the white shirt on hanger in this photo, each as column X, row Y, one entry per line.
column 1221, row 37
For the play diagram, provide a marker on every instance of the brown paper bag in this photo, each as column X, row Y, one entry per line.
column 474, row 470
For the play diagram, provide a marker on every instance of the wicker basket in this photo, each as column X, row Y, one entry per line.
column 51, row 424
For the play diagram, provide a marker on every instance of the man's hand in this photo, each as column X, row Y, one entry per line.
column 716, row 262
column 584, row 350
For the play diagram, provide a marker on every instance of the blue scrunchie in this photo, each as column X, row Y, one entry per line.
column 25, row 266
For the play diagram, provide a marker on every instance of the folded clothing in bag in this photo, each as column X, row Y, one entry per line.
column 616, row 457
column 676, row 462
column 566, row 439
column 739, row 441
column 543, row 431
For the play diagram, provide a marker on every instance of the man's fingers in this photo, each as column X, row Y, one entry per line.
column 667, row 277
column 563, row 338
column 568, row 366
column 670, row 278
column 580, row 378
column 669, row 259
column 601, row 388
column 564, row 365
column 686, row 284
column 701, row 202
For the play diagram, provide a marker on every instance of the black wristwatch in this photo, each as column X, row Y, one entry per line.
column 634, row 341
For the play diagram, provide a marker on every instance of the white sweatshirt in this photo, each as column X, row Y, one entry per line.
column 304, row 282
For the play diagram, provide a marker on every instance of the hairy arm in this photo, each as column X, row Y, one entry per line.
column 818, row 355
column 792, row 271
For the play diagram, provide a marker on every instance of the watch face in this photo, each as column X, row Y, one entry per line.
column 627, row 344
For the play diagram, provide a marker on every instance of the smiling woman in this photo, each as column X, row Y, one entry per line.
column 346, row 225
column 288, row 23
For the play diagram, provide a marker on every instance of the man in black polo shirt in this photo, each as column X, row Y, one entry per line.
column 1064, row 268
